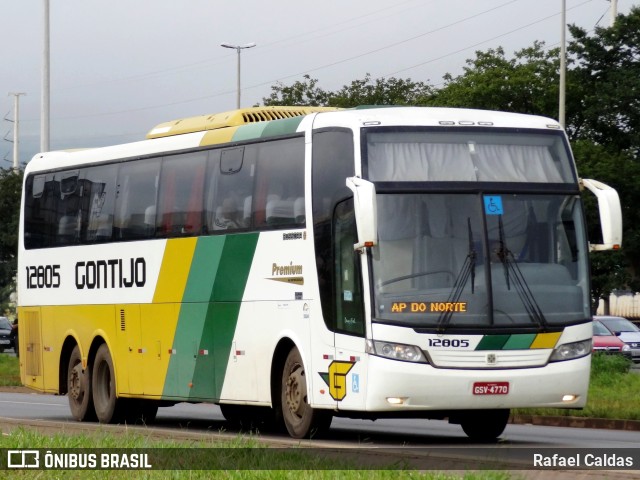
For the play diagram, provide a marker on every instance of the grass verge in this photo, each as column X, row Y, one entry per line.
column 9, row 371
column 298, row 462
column 613, row 392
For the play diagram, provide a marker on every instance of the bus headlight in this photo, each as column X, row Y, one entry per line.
column 569, row 351
column 396, row 351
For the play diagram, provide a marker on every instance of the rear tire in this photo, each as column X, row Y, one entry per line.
column 79, row 389
column 108, row 406
column 485, row 425
column 300, row 419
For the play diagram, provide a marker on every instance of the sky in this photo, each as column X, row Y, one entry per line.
column 120, row 67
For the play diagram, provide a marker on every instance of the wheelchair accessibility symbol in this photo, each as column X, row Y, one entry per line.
column 493, row 205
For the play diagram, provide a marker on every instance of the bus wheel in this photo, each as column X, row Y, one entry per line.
column 299, row 418
column 79, row 388
column 106, row 403
column 485, row 425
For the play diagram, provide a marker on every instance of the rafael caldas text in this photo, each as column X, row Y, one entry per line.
column 582, row 460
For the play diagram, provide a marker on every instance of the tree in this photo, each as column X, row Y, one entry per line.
column 10, row 192
column 603, row 121
column 391, row 91
column 527, row 83
column 300, row 93
column 605, row 96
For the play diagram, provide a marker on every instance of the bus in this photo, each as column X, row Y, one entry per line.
column 293, row 264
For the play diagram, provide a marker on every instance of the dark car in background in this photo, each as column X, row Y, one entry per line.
column 6, row 335
column 605, row 341
column 626, row 331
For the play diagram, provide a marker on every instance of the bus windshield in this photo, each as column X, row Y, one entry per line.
column 480, row 260
column 456, row 255
column 468, row 155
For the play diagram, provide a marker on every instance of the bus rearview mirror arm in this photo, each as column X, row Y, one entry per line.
column 364, row 202
column 610, row 214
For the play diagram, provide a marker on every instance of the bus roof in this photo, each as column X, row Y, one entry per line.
column 232, row 118
column 262, row 122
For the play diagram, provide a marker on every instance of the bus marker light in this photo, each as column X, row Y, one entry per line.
column 190, row 385
column 569, row 398
column 396, row 400
column 172, row 351
column 203, row 352
column 142, row 350
column 239, row 352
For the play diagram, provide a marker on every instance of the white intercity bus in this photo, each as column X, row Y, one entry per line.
column 293, row 264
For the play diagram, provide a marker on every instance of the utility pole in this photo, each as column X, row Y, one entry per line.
column 45, row 109
column 614, row 12
column 563, row 64
column 16, row 129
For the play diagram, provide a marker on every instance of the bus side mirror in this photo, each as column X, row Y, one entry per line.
column 364, row 201
column 610, row 214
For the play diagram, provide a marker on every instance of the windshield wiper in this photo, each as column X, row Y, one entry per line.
column 522, row 287
column 468, row 270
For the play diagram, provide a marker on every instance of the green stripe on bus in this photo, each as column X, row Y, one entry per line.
column 209, row 315
column 282, row 127
column 519, row 342
column 492, row 342
column 249, row 132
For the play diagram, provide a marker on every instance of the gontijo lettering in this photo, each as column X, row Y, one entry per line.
column 425, row 307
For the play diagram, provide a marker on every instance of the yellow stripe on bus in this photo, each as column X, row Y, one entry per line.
column 546, row 340
column 174, row 271
column 215, row 137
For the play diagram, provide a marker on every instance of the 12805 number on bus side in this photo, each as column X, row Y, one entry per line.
column 43, row 276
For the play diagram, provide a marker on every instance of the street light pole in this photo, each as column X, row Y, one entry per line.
column 45, row 108
column 238, row 48
column 563, row 65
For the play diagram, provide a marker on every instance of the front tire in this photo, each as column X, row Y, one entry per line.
column 485, row 425
column 300, row 419
column 79, row 389
column 108, row 406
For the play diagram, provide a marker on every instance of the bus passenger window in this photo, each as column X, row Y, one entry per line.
column 230, row 189
column 69, row 208
column 41, row 199
column 280, row 184
column 180, row 195
column 99, row 193
column 136, row 200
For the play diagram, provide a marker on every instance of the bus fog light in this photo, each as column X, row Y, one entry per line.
column 569, row 398
column 569, row 351
column 396, row 400
column 396, row 351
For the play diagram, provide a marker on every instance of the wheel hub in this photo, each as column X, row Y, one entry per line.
column 75, row 383
column 296, row 392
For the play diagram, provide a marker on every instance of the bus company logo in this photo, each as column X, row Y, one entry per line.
column 287, row 273
column 23, row 459
column 336, row 378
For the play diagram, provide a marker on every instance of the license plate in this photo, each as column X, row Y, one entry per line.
column 490, row 388
column 5, row 342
